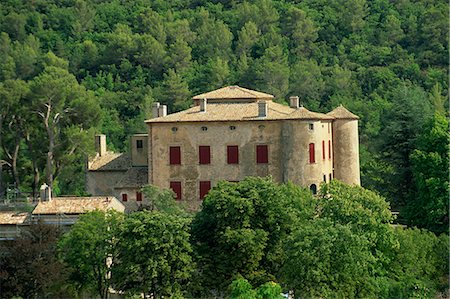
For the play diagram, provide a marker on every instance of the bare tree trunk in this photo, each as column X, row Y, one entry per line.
column 51, row 145
column 15, row 156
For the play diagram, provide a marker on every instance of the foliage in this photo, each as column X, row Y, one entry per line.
column 87, row 249
column 29, row 267
column 152, row 255
column 241, row 289
column 241, row 227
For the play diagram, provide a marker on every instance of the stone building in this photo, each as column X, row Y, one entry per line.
column 233, row 132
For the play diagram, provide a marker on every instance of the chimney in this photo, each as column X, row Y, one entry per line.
column 162, row 110
column 155, row 110
column 203, row 105
column 294, row 102
column 45, row 192
column 100, row 144
column 262, row 109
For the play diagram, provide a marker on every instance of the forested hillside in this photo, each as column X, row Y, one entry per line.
column 72, row 68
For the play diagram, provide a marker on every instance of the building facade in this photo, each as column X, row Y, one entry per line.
column 234, row 132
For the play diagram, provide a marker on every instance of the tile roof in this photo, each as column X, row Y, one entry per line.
column 8, row 217
column 73, row 205
column 238, row 112
column 110, row 161
column 233, row 92
column 135, row 177
column 342, row 113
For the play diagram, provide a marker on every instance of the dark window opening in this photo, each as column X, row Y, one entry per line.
column 331, row 177
column 313, row 188
column 325, row 178
column 204, row 154
column 175, row 155
column 176, row 188
column 323, row 150
column 311, row 127
column 139, row 144
column 174, row 129
column 329, row 149
column 232, row 154
column 124, row 197
column 204, row 129
column 312, row 155
column 205, row 186
column 262, row 154
column 232, row 128
column 138, row 196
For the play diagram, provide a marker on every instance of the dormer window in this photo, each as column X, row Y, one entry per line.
column 139, row 144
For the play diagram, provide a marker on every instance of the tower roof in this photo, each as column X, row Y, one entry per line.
column 234, row 92
column 303, row 113
column 342, row 113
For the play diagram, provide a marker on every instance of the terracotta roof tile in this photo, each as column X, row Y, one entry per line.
column 238, row 112
column 110, row 161
column 8, row 217
column 233, row 92
column 342, row 113
column 74, row 205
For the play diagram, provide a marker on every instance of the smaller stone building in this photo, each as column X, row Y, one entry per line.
column 11, row 224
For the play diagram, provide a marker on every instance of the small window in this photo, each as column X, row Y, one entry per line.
column 312, row 155
column 205, row 186
column 138, row 196
column 232, row 128
column 233, row 154
column 313, row 188
column 139, row 144
column 262, row 154
column 174, row 129
column 325, row 178
column 311, row 127
column 174, row 155
column 331, row 177
column 204, row 154
column 329, row 128
column 329, row 149
column 323, row 150
column 204, row 129
column 124, row 197
column 176, row 188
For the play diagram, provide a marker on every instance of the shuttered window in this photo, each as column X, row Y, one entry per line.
column 312, row 156
column 205, row 186
column 176, row 187
column 124, row 197
column 232, row 154
column 204, row 154
column 323, row 149
column 262, row 154
column 329, row 149
column 138, row 196
column 175, row 155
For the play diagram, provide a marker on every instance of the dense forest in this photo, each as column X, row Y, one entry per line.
column 72, row 68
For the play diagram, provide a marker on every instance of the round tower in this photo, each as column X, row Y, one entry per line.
column 345, row 146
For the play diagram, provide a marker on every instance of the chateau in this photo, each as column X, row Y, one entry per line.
column 229, row 133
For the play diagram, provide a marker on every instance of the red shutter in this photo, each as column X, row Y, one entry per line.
column 175, row 155
column 233, row 154
column 262, row 154
column 138, row 196
column 312, row 156
column 323, row 149
column 205, row 186
column 329, row 149
column 124, row 197
column 176, row 187
column 204, row 154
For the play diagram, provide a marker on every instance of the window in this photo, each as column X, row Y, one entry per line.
column 174, row 129
column 329, row 149
column 176, row 187
column 138, row 196
column 312, row 156
column 323, row 149
column 311, row 127
column 232, row 154
column 325, row 178
column 204, row 129
column 175, row 155
column 139, row 144
column 262, row 154
column 205, row 186
column 331, row 177
column 124, row 197
column 232, row 128
column 313, row 188
column 204, row 154
column 329, row 126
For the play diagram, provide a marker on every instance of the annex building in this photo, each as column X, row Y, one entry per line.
column 228, row 134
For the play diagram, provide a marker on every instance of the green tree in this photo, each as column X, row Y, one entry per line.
column 153, row 255
column 87, row 251
column 174, row 92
